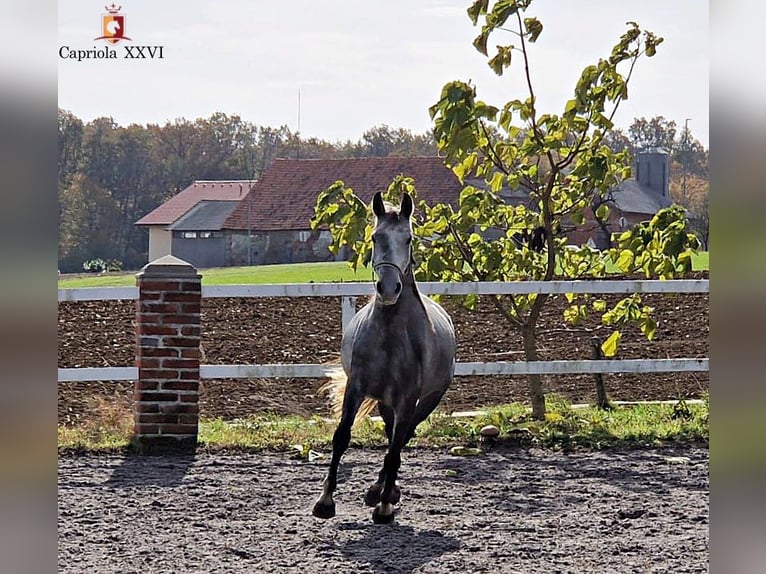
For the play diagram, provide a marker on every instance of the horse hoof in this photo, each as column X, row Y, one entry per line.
column 373, row 495
column 324, row 511
column 379, row 517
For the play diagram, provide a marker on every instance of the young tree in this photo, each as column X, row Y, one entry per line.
column 562, row 162
column 656, row 132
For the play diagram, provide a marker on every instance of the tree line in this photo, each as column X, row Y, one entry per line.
column 109, row 176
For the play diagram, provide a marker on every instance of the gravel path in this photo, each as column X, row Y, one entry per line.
column 512, row 510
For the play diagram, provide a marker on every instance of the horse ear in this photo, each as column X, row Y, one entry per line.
column 406, row 207
column 377, row 205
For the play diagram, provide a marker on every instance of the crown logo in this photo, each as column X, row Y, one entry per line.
column 113, row 25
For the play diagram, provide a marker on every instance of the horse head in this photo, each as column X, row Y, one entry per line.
column 391, row 247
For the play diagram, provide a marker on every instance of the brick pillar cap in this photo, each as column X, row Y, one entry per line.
column 169, row 266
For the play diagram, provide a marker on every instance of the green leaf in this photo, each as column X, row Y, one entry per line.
column 476, row 9
column 534, row 27
column 599, row 305
column 625, row 260
column 609, row 347
column 474, row 240
column 574, row 314
column 602, row 212
column 501, row 60
column 480, row 42
column 471, row 301
column 648, row 327
column 571, row 107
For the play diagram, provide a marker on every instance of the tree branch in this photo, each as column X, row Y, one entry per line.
column 495, row 158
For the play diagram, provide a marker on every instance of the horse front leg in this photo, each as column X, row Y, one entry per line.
column 384, row 510
column 372, row 497
column 325, row 505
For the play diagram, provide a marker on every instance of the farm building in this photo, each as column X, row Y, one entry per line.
column 188, row 225
column 243, row 222
column 634, row 200
column 226, row 223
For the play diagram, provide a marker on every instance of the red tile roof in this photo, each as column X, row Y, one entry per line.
column 285, row 196
column 184, row 200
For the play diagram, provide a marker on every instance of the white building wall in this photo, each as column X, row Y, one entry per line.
column 160, row 242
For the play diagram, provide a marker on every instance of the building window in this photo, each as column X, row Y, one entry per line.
column 210, row 234
column 189, row 234
column 303, row 236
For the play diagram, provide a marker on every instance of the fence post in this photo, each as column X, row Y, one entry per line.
column 347, row 311
column 166, row 397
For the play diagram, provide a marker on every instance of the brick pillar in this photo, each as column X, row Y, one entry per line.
column 166, row 399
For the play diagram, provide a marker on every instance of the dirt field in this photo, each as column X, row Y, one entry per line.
column 307, row 330
column 511, row 510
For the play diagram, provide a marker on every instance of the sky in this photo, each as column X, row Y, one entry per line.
column 354, row 64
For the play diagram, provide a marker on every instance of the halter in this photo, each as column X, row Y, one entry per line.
column 377, row 266
column 401, row 273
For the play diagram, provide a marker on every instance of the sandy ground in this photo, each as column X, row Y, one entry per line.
column 511, row 510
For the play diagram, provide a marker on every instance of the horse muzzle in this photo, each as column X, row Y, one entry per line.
column 388, row 287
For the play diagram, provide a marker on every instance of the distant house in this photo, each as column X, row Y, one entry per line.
column 195, row 213
column 634, row 200
column 212, row 224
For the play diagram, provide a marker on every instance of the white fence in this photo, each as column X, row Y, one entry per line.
column 348, row 293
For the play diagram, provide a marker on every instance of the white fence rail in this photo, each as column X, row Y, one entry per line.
column 303, row 370
column 348, row 292
column 429, row 288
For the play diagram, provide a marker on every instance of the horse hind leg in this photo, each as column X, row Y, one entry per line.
column 325, row 505
column 425, row 407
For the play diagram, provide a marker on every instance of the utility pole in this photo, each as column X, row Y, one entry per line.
column 685, row 161
column 298, row 133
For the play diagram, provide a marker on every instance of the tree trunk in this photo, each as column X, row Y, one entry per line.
column 536, row 394
column 602, row 399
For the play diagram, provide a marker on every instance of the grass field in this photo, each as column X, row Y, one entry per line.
column 333, row 272
column 295, row 273
column 110, row 427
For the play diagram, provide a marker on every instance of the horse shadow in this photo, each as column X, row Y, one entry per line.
column 141, row 470
column 413, row 547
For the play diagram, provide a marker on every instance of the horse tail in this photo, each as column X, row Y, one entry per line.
column 335, row 389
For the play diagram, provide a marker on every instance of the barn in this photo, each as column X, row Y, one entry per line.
column 188, row 225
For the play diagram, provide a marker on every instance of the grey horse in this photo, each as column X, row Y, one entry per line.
column 398, row 351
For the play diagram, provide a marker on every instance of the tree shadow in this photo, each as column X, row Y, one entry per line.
column 519, row 479
column 395, row 548
column 140, row 470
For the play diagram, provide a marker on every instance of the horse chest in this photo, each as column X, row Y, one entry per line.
column 388, row 353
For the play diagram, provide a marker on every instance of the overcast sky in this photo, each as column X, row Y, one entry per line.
column 359, row 64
